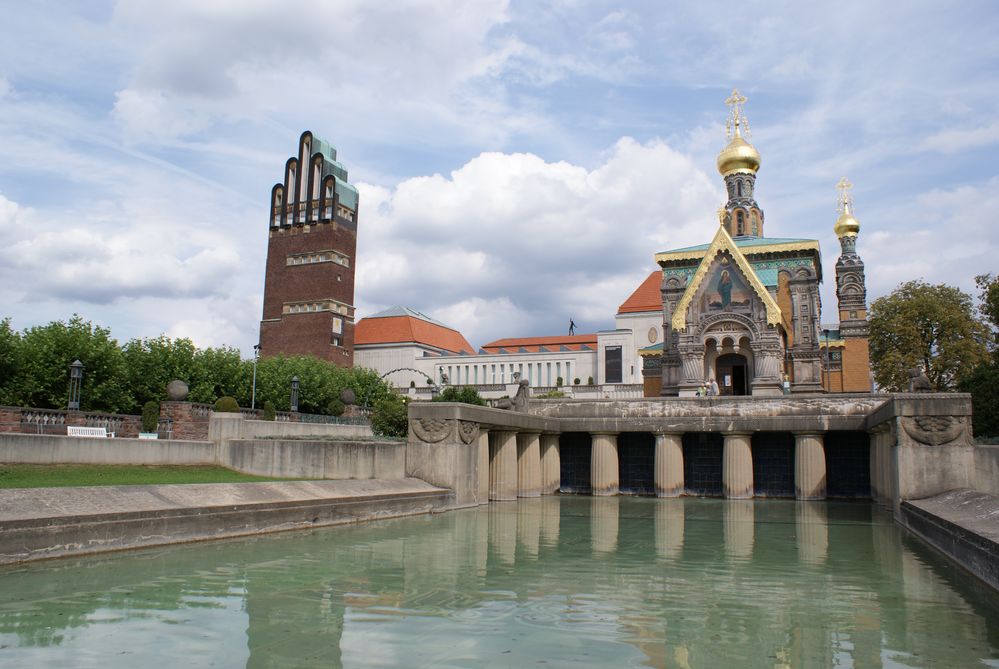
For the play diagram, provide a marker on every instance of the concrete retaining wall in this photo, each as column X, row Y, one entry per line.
column 57, row 449
column 987, row 469
column 961, row 525
column 255, row 429
column 316, row 459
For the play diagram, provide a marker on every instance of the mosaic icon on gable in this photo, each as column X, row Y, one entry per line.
column 726, row 290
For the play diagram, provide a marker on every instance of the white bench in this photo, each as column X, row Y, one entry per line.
column 77, row 431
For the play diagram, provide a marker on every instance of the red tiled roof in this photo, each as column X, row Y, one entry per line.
column 534, row 344
column 407, row 329
column 647, row 297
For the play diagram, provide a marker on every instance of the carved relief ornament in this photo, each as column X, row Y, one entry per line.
column 933, row 430
column 468, row 431
column 431, row 430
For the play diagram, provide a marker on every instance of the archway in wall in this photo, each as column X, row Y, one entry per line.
column 732, row 374
column 848, row 464
column 702, row 463
column 636, row 462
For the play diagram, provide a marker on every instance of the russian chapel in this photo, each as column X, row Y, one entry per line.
column 744, row 310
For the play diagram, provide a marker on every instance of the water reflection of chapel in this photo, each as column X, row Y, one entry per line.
column 745, row 308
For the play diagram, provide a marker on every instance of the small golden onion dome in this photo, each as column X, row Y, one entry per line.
column 846, row 225
column 738, row 156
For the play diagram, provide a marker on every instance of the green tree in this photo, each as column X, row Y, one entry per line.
column 932, row 327
column 983, row 382
column 389, row 417
column 221, row 371
column 150, row 364
column 465, row 394
column 989, row 306
column 10, row 362
column 46, row 353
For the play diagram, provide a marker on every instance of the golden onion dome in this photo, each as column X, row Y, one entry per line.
column 846, row 225
column 738, row 156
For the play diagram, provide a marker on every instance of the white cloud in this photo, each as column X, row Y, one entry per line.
column 954, row 140
column 509, row 242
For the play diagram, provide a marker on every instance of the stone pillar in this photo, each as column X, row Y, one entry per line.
column 502, row 465
column 809, row 466
column 604, row 524
column 528, row 464
column 551, row 517
column 529, row 529
column 551, row 465
column 604, row 470
column 503, row 532
column 739, row 526
column 737, row 466
column 812, row 529
column 482, row 487
column 669, row 527
column 669, row 464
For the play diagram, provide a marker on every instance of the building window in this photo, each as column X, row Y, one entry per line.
column 740, row 224
column 612, row 364
column 853, row 314
column 335, row 341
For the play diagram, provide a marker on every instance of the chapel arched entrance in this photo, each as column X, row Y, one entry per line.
column 732, row 374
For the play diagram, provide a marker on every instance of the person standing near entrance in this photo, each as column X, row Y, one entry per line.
column 713, row 388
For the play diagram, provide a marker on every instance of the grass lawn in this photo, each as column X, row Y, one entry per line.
column 58, row 476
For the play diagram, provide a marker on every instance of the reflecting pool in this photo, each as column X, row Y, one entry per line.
column 550, row 582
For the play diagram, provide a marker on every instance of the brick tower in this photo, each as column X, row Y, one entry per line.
column 309, row 281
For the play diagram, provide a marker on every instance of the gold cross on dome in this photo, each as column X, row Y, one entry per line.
column 845, row 200
column 736, row 116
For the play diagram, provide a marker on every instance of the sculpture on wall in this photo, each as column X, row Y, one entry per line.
column 918, row 381
column 519, row 401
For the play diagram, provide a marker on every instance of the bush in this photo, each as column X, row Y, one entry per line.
column 551, row 394
column 589, row 380
column 465, row 394
column 269, row 412
column 389, row 417
column 575, row 381
column 336, row 407
column 558, row 382
column 150, row 416
column 226, row 405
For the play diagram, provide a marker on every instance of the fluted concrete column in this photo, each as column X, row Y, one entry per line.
column 551, row 518
column 739, row 526
column 604, row 469
column 737, row 466
column 483, row 466
column 551, row 465
column 809, row 466
column 669, row 526
column 528, row 464
column 604, row 521
column 529, row 528
column 669, row 464
column 812, row 528
column 502, row 465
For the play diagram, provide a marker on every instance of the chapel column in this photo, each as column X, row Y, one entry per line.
column 551, row 464
column 737, row 466
column 502, row 465
column 604, row 470
column 528, row 464
column 669, row 464
column 809, row 466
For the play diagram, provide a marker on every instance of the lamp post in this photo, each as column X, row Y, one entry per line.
column 294, row 394
column 75, row 381
column 253, row 393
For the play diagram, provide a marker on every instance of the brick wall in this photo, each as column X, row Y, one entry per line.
column 308, row 333
column 54, row 421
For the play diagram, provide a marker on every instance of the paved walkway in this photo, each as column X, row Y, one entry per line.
column 37, row 523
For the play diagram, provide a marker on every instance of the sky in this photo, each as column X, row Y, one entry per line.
column 519, row 163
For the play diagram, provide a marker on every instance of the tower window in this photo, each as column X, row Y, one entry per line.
column 738, row 188
column 740, row 224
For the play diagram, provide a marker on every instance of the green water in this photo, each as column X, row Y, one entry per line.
column 552, row 582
